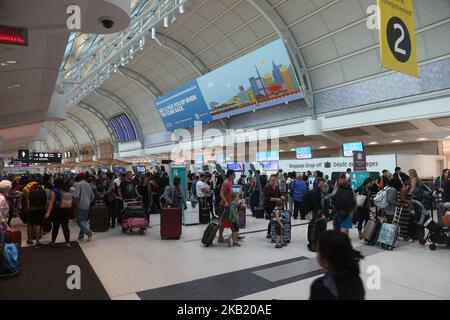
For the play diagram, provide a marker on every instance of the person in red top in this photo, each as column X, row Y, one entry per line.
column 226, row 196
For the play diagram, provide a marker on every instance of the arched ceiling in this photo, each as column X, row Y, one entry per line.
column 332, row 38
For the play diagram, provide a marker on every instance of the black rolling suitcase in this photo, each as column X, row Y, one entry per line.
column 99, row 219
column 210, row 233
column 204, row 214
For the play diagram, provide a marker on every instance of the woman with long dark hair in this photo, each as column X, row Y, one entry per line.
column 364, row 210
column 59, row 216
column 341, row 263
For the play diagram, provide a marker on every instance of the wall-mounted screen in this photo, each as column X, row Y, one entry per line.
column 260, row 79
column 267, row 156
column 270, row 166
column 123, row 128
column 139, row 169
column 304, row 153
column 236, row 166
column 119, row 170
column 352, row 146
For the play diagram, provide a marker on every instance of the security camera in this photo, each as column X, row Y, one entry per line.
column 107, row 22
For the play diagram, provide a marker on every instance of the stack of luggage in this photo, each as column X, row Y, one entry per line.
column 134, row 216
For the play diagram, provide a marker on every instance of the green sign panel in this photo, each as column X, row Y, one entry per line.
column 357, row 179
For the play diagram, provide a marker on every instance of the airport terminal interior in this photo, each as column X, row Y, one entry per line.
column 224, row 149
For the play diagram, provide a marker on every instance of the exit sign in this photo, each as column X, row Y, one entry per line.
column 13, row 35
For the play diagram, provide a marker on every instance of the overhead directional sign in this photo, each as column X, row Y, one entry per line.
column 30, row 156
column 397, row 36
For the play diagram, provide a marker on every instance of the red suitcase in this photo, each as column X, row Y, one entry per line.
column 170, row 223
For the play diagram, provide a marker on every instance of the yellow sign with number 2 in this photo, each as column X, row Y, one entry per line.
column 397, row 36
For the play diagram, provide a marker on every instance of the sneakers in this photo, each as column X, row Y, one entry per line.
column 278, row 246
column 229, row 242
column 221, row 240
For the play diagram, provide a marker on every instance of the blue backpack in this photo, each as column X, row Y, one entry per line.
column 298, row 188
column 10, row 259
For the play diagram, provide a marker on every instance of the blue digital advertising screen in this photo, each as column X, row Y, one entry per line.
column 182, row 107
column 304, row 153
column 270, row 166
column 257, row 80
column 236, row 166
column 352, row 146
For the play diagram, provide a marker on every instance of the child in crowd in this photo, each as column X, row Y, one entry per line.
column 277, row 219
column 233, row 216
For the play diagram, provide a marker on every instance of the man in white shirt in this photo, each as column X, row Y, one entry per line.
column 203, row 191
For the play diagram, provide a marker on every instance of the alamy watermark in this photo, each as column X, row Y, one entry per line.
column 235, row 144
column 74, row 280
column 73, row 21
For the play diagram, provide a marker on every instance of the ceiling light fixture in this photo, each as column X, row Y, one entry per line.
column 373, row 143
column 323, row 147
column 153, row 33
column 422, row 139
column 166, row 22
column 11, row 61
column 397, row 141
column 292, row 150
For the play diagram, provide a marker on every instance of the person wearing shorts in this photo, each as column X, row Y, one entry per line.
column 233, row 216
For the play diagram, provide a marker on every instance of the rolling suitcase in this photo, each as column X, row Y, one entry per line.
column 259, row 213
column 170, row 223
column 190, row 215
column 99, row 219
column 316, row 227
column 286, row 220
column 210, row 233
column 371, row 231
column 389, row 232
column 242, row 223
column 204, row 211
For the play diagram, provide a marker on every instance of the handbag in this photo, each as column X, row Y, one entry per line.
column 360, row 200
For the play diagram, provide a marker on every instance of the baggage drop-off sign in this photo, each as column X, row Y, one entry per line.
column 397, row 36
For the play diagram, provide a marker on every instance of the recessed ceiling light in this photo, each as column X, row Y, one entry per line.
column 11, row 61
column 282, row 151
column 373, row 143
column 323, row 147
column 292, row 149
column 422, row 139
column 397, row 141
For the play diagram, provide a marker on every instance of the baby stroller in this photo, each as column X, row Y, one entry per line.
column 436, row 234
column 134, row 217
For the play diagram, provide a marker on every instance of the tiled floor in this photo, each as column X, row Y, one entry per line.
column 128, row 264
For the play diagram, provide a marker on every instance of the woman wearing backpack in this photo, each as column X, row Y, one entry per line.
column 344, row 202
column 60, row 216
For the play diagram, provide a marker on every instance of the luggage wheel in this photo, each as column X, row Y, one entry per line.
column 432, row 247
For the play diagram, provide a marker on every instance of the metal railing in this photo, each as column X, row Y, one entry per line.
column 91, row 71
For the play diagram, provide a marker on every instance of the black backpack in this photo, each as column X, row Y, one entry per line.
column 344, row 199
column 38, row 197
column 308, row 200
